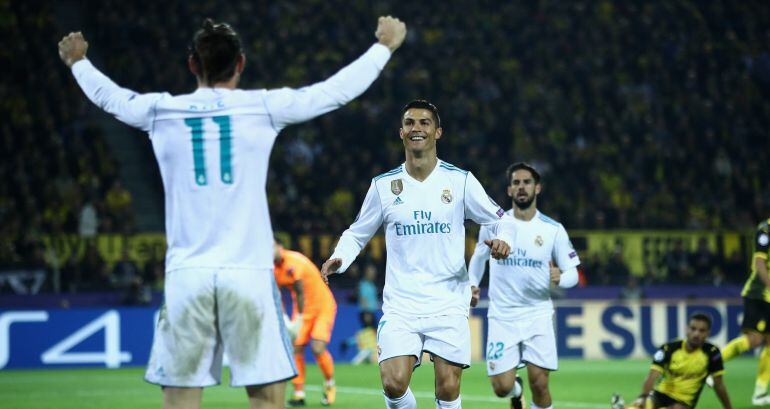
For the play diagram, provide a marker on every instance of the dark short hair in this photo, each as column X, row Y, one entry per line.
column 423, row 104
column 215, row 49
column 520, row 166
column 699, row 316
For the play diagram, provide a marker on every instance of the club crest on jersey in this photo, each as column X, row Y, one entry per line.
column 491, row 365
column 538, row 241
column 446, row 196
column 396, row 186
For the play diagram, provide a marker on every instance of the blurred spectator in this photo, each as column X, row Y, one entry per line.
column 368, row 299
column 93, row 270
column 705, row 264
column 125, row 272
column 631, row 291
column 596, row 271
column 676, row 262
column 735, row 268
column 118, row 202
column 154, row 274
column 88, row 220
column 617, row 269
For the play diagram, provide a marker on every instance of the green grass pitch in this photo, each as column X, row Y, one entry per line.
column 578, row 384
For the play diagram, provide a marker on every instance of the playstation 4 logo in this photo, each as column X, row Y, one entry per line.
column 398, row 201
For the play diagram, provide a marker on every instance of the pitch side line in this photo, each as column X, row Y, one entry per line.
column 470, row 398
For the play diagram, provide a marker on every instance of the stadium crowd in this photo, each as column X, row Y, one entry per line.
column 642, row 115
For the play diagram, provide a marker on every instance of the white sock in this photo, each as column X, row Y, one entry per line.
column 533, row 406
column 515, row 392
column 455, row 404
column 405, row 402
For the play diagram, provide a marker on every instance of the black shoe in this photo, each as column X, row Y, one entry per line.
column 617, row 402
column 519, row 402
column 294, row 403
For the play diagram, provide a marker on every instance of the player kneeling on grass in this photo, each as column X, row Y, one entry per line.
column 684, row 365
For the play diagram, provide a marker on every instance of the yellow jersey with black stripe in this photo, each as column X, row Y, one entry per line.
column 754, row 287
column 684, row 372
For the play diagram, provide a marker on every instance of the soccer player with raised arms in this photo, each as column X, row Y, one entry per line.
column 520, row 329
column 213, row 147
column 422, row 205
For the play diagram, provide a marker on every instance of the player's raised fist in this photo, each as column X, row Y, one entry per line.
column 330, row 267
column 390, row 32
column 72, row 48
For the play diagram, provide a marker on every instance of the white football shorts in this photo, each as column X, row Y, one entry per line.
column 207, row 312
column 512, row 344
column 445, row 336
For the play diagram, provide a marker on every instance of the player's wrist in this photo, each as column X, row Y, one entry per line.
column 72, row 61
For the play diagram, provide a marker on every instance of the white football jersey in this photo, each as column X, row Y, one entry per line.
column 213, row 148
column 519, row 286
column 425, row 272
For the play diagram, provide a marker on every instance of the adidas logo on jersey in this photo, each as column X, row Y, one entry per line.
column 398, row 201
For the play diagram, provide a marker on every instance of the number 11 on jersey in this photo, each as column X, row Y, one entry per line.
column 225, row 149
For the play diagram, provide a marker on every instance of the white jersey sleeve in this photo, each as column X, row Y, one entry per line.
column 129, row 107
column 288, row 106
column 359, row 233
column 563, row 252
column 479, row 258
column 480, row 208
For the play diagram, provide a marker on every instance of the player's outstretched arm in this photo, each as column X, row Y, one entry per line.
column 126, row 105
column 330, row 266
column 288, row 106
column 721, row 391
column 73, row 48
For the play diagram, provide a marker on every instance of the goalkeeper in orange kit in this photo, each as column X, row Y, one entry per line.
column 313, row 313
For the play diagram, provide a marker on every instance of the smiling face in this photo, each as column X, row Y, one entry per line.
column 419, row 131
column 523, row 188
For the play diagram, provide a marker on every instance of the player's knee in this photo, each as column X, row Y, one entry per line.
column 393, row 386
column 539, row 386
column 501, row 388
column 318, row 348
column 448, row 389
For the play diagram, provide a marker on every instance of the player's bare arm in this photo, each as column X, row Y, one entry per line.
column 555, row 273
column 72, row 48
column 475, row 295
column 721, row 391
column 498, row 248
column 330, row 266
column 390, row 32
column 649, row 383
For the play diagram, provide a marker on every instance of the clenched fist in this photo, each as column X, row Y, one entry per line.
column 72, row 48
column 390, row 32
